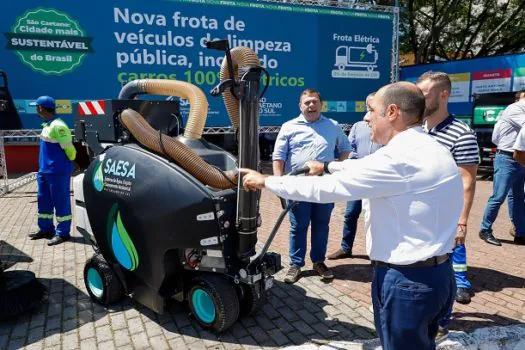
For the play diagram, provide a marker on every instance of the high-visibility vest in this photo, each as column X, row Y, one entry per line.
column 56, row 148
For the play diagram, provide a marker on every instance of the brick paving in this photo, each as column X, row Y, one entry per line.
column 308, row 312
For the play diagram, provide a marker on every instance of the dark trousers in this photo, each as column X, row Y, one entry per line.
column 509, row 175
column 352, row 212
column 409, row 302
column 53, row 198
column 300, row 217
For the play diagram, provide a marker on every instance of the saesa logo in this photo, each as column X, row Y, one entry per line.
column 121, row 168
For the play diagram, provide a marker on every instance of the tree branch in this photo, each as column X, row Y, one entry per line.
column 482, row 19
column 503, row 24
column 465, row 31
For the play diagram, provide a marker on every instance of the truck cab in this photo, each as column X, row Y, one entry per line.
column 487, row 108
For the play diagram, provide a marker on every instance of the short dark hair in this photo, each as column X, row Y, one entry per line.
column 49, row 110
column 410, row 101
column 309, row 92
column 441, row 79
column 519, row 94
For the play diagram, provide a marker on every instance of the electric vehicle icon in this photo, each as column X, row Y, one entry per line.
column 356, row 56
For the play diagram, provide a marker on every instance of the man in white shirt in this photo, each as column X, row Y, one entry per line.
column 509, row 175
column 413, row 199
column 519, row 148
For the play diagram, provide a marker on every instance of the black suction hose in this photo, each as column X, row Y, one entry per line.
column 280, row 219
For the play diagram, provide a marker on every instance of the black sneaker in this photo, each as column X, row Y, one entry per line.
column 40, row 235
column 323, row 271
column 519, row 240
column 488, row 237
column 292, row 275
column 57, row 240
column 463, row 295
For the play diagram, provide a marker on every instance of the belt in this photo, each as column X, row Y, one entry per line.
column 434, row 261
column 507, row 153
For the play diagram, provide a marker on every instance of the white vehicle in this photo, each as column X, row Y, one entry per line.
column 355, row 56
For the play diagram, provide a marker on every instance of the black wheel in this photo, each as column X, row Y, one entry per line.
column 214, row 302
column 20, row 292
column 101, row 281
column 250, row 300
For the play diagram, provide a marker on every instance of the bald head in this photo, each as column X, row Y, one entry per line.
column 407, row 97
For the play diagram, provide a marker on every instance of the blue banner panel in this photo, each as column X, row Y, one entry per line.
column 475, row 76
column 88, row 50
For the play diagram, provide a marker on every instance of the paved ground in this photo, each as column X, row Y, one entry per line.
column 309, row 311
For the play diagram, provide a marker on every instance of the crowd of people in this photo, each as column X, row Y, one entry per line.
column 412, row 167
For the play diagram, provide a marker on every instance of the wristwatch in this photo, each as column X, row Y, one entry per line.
column 326, row 167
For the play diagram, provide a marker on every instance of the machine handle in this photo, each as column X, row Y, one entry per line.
column 299, row 171
column 286, row 209
column 223, row 45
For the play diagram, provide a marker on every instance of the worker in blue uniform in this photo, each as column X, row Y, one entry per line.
column 54, row 174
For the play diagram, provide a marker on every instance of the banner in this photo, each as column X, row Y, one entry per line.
column 475, row 76
column 77, row 51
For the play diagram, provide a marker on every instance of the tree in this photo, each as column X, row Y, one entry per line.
column 454, row 29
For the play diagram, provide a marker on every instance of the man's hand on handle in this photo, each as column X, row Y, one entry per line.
column 316, row 168
column 252, row 180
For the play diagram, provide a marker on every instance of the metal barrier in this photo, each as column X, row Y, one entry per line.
column 24, row 135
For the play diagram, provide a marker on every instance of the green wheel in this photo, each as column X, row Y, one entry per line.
column 203, row 305
column 94, row 282
column 102, row 284
column 213, row 301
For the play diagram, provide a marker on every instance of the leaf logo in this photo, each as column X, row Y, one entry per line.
column 98, row 178
column 121, row 244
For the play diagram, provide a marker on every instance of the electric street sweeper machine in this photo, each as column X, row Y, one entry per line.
column 167, row 215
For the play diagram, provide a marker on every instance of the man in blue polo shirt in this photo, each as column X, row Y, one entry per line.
column 54, row 174
column 310, row 136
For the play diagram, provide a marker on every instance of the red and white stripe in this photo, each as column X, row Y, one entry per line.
column 92, row 107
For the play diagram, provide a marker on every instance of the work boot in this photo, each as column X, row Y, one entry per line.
column 519, row 240
column 292, row 275
column 323, row 271
column 57, row 240
column 339, row 254
column 40, row 235
column 512, row 231
column 463, row 295
column 489, row 238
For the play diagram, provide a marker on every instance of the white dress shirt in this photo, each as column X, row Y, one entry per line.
column 414, row 196
column 508, row 126
column 519, row 144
